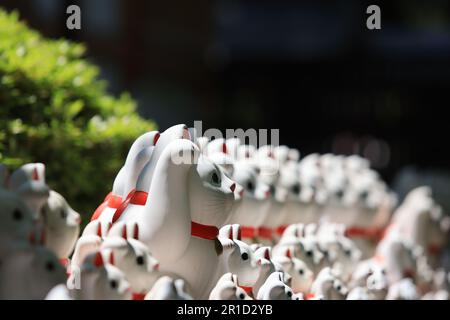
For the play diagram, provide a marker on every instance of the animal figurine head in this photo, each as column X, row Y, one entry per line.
column 368, row 282
column 437, row 235
column 29, row 182
column 377, row 283
column 305, row 248
column 100, row 280
column 62, row 225
column 167, row 288
column 16, row 220
column 251, row 211
column 302, row 276
column 346, row 256
column 328, row 286
column 211, row 193
column 267, row 266
column 310, row 171
column 398, row 256
column 89, row 243
column 227, row 288
column 29, row 272
column 404, row 289
column 134, row 259
column 358, row 293
column 238, row 256
column 59, row 292
column 334, row 177
column 355, row 164
column 274, row 288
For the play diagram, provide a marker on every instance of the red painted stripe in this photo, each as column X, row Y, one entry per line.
column 204, row 231
column 364, row 232
column 248, row 290
column 310, row 296
column 139, row 198
column 248, row 232
column 266, row 233
column 138, row 296
column 280, row 229
column 134, row 197
column 111, row 201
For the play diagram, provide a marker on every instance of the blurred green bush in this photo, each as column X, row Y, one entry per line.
column 53, row 109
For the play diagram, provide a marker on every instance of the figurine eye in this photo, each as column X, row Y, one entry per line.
column 272, row 189
column 383, row 271
column 301, row 272
column 17, row 215
column 50, row 266
column 215, row 179
column 242, row 296
column 140, row 260
column 309, row 253
column 338, row 286
column 348, row 253
column 250, row 186
column 289, row 294
column 296, row 189
column 113, row 284
column 364, row 195
column 244, row 256
column 63, row 214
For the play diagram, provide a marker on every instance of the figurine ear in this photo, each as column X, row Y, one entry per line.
column 35, row 175
column 239, row 236
column 136, row 231
column 224, row 148
column 99, row 229
column 288, row 254
column 111, row 257
column 279, row 277
column 235, row 279
column 267, row 254
column 98, row 260
column 124, row 232
column 186, row 133
column 156, row 138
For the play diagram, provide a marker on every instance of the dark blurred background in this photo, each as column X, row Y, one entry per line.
column 309, row 68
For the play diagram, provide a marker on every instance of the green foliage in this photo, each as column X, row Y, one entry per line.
column 53, row 109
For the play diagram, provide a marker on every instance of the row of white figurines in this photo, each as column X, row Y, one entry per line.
column 189, row 202
column 263, row 190
column 309, row 262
